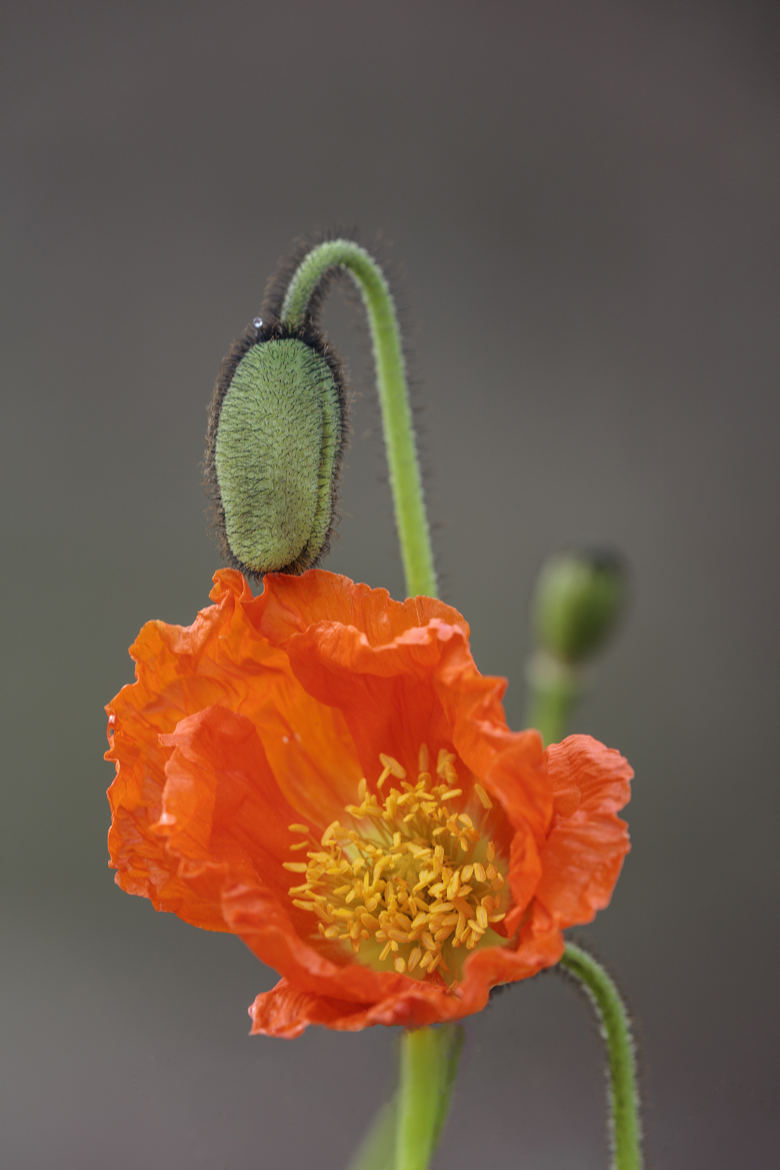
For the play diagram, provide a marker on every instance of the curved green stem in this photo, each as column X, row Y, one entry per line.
column 625, row 1130
column 405, row 479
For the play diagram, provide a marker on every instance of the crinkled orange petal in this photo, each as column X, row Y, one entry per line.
column 287, row 1009
column 374, row 659
column 584, row 851
column 303, row 738
column 172, row 681
column 293, row 605
column 402, row 673
column 218, row 660
column 223, row 813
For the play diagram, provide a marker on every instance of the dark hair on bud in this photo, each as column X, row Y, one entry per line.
column 280, row 279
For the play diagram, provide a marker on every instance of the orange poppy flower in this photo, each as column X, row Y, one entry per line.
column 325, row 773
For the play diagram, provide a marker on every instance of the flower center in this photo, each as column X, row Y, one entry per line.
column 407, row 880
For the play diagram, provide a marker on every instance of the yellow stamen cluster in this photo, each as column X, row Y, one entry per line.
column 408, row 878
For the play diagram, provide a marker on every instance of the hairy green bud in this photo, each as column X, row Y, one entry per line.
column 579, row 596
column 274, row 448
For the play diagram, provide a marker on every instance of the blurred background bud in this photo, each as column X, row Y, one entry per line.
column 579, row 597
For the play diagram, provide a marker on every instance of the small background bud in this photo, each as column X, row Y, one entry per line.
column 274, row 448
column 579, row 597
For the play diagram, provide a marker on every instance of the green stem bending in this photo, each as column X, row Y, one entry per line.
column 429, row 1062
column 405, row 479
column 625, row 1129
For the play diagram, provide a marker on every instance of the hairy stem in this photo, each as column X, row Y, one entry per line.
column 625, row 1129
column 429, row 1061
column 405, row 479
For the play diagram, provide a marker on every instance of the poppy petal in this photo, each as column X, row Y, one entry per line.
column 584, row 852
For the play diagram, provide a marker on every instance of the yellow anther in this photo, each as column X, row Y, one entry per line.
column 482, row 796
column 444, row 757
column 423, row 758
column 396, row 769
column 295, row 866
column 299, row 828
column 479, row 872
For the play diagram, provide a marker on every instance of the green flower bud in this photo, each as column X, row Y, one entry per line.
column 274, row 446
column 579, row 596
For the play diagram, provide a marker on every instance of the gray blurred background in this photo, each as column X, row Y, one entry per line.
column 582, row 205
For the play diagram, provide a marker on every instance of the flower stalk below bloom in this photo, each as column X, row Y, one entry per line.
column 429, row 1062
